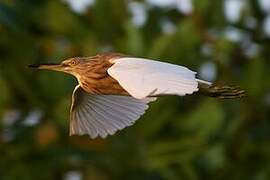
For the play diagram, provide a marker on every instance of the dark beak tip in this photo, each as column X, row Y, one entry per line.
column 33, row 66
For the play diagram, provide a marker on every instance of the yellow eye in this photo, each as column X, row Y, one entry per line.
column 73, row 62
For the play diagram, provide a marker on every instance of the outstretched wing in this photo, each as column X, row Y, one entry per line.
column 103, row 115
column 142, row 78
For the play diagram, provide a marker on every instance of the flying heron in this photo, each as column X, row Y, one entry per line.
column 114, row 89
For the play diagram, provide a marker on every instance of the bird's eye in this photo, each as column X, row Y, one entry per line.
column 73, row 62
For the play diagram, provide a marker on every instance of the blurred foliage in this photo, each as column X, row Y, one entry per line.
column 178, row 138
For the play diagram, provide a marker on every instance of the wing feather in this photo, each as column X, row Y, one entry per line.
column 101, row 119
column 91, row 113
column 142, row 78
column 103, row 115
column 114, row 114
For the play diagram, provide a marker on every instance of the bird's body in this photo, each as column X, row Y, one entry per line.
column 114, row 89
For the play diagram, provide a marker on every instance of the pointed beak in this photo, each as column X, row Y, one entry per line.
column 51, row 66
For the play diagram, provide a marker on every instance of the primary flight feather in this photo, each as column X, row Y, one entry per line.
column 114, row 90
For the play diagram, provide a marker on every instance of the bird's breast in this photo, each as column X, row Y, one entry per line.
column 106, row 85
column 100, row 82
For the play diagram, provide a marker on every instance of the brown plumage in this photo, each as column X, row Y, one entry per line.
column 93, row 76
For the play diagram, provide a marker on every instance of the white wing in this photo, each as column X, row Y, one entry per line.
column 102, row 115
column 142, row 78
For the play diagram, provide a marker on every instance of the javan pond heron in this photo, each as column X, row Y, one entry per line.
column 114, row 89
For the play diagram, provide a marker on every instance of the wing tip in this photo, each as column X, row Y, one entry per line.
column 102, row 135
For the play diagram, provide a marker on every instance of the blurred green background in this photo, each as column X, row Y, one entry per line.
column 188, row 138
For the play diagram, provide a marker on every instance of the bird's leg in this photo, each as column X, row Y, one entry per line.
column 220, row 91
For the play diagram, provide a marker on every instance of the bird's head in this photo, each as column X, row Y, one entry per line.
column 70, row 66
